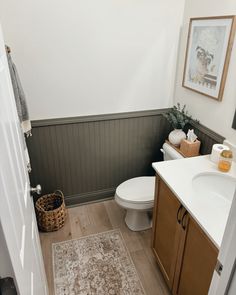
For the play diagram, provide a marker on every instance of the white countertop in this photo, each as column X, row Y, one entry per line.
column 208, row 213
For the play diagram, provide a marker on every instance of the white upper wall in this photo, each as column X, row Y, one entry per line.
column 83, row 57
column 218, row 116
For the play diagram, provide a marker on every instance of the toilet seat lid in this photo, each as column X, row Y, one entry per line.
column 137, row 190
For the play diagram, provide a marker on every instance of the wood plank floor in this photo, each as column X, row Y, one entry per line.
column 98, row 217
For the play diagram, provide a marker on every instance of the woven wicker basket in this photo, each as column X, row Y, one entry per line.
column 51, row 211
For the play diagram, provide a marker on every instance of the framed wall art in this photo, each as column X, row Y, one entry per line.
column 234, row 121
column 210, row 41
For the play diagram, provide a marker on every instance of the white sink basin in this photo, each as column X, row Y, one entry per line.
column 214, row 185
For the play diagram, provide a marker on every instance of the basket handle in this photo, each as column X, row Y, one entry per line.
column 60, row 193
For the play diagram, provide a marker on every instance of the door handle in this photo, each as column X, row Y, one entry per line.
column 37, row 189
column 183, row 220
column 178, row 212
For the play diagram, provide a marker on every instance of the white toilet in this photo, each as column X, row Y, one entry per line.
column 136, row 195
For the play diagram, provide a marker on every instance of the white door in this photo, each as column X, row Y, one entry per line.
column 17, row 214
column 224, row 280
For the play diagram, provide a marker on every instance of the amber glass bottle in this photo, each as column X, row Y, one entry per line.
column 225, row 161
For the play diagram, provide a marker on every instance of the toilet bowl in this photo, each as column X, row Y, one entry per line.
column 136, row 195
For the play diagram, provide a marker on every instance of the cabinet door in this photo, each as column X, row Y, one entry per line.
column 166, row 230
column 198, row 262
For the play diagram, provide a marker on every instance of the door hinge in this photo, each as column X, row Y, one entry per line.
column 219, row 267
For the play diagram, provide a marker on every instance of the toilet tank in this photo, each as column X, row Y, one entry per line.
column 170, row 153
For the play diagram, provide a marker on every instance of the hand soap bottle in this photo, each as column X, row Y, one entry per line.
column 225, row 161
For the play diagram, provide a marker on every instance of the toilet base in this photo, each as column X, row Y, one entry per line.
column 137, row 220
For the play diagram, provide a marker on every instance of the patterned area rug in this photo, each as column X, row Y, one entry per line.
column 95, row 265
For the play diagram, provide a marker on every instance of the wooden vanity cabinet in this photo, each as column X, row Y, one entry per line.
column 199, row 258
column 166, row 230
column 183, row 251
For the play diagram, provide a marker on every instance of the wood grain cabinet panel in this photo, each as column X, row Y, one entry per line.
column 183, row 251
column 198, row 262
column 166, row 230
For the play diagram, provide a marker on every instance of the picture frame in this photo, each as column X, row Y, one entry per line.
column 208, row 51
column 234, row 121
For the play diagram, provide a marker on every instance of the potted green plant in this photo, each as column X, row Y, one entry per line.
column 178, row 118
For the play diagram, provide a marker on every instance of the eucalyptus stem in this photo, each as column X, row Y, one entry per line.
column 178, row 117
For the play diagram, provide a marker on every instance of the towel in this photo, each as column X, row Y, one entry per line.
column 19, row 94
column 21, row 106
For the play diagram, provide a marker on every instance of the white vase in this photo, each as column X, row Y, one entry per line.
column 176, row 136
